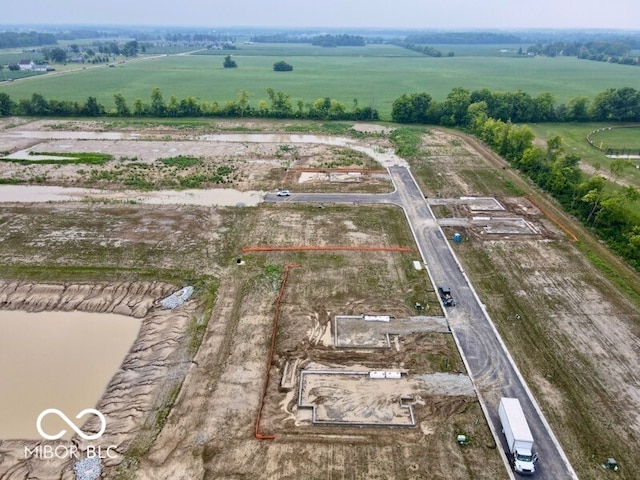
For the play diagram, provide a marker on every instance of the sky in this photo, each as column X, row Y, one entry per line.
column 398, row 14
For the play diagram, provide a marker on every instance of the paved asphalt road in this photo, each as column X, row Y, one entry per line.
column 488, row 362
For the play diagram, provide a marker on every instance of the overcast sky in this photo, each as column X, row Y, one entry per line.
column 446, row 14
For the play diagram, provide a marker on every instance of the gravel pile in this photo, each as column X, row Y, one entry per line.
column 177, row 298
column 88, row 469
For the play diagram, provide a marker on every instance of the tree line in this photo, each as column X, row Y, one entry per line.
column 424, row 49
column 343, row 40
column 489, row 116
column 601, row 51
column 26, row 39
column 463, row 38
column 613, row 104
column 609, row 212
column 277, row 105
column 338, row 40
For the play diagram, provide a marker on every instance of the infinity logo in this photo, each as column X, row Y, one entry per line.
column 66, row 419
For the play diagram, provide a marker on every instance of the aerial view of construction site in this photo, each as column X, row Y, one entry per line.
column 339, row 240
column 329, row 310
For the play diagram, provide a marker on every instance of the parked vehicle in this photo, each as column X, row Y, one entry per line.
column 519, row 438
column 446, row 297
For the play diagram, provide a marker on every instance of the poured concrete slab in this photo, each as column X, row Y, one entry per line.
column 372, row 398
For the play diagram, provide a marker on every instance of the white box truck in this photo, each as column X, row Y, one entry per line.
column 519, row 439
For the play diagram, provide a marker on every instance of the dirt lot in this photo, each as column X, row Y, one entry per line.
column 154, row 159
column 574, row 336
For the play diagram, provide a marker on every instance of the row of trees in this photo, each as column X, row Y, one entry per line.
column 424, row 49
column 26, row 39
column 97, row 53
column 278, row 105
column 463, row 38
column 601, row 51
column 620, row 105
column 338, row 40
column 610, row 212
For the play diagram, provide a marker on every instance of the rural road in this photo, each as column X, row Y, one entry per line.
column 488, row 362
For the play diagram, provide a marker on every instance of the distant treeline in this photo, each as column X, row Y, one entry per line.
column 338, row 41
column 612, row 52
column 26, row 39
column 424, row 49
column 462, row 38
column 198, row 37
column 321, row 40
column 278, row 105
column 613, row 104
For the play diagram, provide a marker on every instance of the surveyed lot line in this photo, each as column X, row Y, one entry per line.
column 306, row 248
column 274, row 333
column 572, row 237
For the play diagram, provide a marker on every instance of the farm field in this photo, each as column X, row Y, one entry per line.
column 575, row 339
column 375, row 79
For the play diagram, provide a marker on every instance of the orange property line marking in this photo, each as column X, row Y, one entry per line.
column 365, row 248
column 573, row 238
column 274, row 333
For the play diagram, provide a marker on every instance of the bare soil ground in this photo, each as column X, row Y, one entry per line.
column 147, row 165
column 210, row 431
column 574, row 336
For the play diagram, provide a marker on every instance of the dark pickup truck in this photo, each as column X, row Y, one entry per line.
column 446, row 297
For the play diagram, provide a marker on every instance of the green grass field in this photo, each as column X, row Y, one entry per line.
column 618, row 138
column 574, row 137
column 375, row 75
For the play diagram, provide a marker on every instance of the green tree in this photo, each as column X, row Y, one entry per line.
column 282, row 66
column 140, row 109
column 173, row 107
column 243, row 101
column 578, row 109
column 130, row 49
column 122, row 110
column 281, row 103
column 190, row 107
column 158, row 107
column 544, row 108
column 412, row 108
column 616, row 169
column 7, row 105
column 454, row 108
column 477, row 115
column 57, row 55
column 92, row 108
column 229, row 62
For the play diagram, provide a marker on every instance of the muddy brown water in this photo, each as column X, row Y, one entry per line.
column 60, row 360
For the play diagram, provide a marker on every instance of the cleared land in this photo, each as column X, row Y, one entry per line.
column 575, row 337
column 375, row 76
